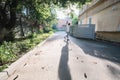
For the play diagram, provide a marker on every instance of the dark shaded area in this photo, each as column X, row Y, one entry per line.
column 7, row 19
column 64, row 72
column 103, row 50
column 99, row 49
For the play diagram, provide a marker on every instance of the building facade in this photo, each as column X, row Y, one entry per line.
column 105, row 14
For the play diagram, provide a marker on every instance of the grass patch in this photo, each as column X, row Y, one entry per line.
column 11, row 51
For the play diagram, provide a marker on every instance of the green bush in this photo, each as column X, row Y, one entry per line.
column 41, row 31
column 10, row 51
column 3, row 67
column 22, row 46
column 7, row 53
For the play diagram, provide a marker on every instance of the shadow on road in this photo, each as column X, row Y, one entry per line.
column 99, row 49
column 64, row 72
column 102, row 50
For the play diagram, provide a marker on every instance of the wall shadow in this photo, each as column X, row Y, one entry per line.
column 99, row 49
column 64, row 72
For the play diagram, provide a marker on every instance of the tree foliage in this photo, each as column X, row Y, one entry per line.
column 38, row 11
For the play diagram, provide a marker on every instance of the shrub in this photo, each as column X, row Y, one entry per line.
column 7, row 54
column 10, row 51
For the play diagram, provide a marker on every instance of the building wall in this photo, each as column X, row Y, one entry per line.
column 105, row 14
column 110, row 36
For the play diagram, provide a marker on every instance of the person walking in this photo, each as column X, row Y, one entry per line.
column 67, row 31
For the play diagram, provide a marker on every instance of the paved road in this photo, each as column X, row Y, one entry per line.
column 78, row 59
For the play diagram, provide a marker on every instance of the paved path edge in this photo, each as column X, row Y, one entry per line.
column 20, row 62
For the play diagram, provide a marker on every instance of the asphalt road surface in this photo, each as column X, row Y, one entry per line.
column 77, row 59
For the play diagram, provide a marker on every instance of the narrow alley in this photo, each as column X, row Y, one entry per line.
column 78, row 59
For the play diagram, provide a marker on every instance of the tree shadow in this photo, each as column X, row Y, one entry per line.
column 64, row 72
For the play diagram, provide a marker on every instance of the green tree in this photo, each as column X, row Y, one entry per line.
column 38, row 11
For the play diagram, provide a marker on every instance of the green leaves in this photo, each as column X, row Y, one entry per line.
column 40, row 9
column 7, row 53
column 43, row 11
column 10, row 51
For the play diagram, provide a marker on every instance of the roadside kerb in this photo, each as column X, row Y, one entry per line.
column 20, row 62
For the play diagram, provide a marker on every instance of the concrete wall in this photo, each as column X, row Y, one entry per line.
column 105, row 14
column 83, row 31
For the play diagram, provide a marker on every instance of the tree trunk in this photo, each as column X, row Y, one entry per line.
column 12, row 20
column 8, row 23
column 21, row 27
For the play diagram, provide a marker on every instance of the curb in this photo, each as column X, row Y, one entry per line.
column 5, row 74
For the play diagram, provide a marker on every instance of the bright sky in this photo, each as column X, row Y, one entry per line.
column 61, row 14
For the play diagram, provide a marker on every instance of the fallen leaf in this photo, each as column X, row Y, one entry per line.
column 77, row 57
column 82, row 61
column 95, row 62
column 85, row 75
column 43, row 67
column 25, row 64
